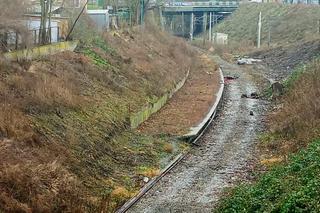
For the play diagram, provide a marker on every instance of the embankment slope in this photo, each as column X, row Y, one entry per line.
column 65, row 141
column 288, row 23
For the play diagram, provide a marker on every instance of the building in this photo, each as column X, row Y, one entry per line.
column 101, row 18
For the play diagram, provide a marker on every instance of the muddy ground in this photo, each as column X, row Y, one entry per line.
column 223, row 158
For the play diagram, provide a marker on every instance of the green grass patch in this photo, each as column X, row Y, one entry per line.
column 289, row 82
column 96, row 58
column 101, row 43
column 294, row 187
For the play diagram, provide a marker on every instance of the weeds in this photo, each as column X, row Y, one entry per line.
column 39, row 188
column 286, row 188
column 97, row 59
column 299, row 117
column 284, row 20
column 76, row 111
column 149, row 171
column 168, row 148
column 14, row 124
column 293, row 184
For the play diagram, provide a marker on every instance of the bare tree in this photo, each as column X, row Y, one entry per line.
column 45, row 23
column 137, row 7
column 11, row 21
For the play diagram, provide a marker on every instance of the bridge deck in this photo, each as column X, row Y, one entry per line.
column 212, row 6
column 198, row 9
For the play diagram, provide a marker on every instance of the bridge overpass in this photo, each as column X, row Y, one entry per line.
column 187, row 18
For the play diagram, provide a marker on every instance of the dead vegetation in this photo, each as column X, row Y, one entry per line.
column 65, row 141
column 26, row 187
column 285, row 22
column 297, row 120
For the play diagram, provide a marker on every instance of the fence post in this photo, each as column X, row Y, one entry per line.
column 35, row 37
column 17, row 40
column 58, row 34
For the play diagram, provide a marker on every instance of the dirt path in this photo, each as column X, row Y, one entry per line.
column 222, row 159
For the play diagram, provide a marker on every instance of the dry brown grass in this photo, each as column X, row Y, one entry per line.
column 150, row 172
column 168, row 147
column 289, row 23
column 154, row 55
column 93, row 102
column 38, row 86
column 297, row 122
column 27, row 187
column 46, row 89
column 30, row 181
column 119, row 195
column 14, row 125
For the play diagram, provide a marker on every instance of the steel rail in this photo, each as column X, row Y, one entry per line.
column 193, row 139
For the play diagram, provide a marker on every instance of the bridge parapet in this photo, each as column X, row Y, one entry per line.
column 203, row 4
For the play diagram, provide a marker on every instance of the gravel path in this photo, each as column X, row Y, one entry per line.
column 223, row 158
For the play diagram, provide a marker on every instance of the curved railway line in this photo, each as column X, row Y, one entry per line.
column 194, row 181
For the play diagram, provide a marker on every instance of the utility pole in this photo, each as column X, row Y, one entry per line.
column 182, row 24
column 205, row 20
column 142, row 12
column 210, row 27
column 75, row 22
column 215, row 21
column 161, row 18
column 259, row 31
column 269, row 34
column 191, row 26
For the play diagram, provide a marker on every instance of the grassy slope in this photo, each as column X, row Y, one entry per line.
column 64, row 122
column 287, row 25
column 294, row 185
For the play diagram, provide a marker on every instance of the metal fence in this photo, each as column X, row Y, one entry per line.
column 53, row 33
column 12, row 40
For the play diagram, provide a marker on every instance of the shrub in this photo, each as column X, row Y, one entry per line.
column 168, row 148
column 299, row 117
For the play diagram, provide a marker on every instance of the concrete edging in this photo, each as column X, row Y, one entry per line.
column 36, row 52
column 197, row 133
column 139, row 117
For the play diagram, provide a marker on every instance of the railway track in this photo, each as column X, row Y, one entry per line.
column 192, row 137
column 224, row 155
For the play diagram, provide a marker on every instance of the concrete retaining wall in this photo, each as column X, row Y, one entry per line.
column 36, row 52
column 199, row 129
column 137, row 118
